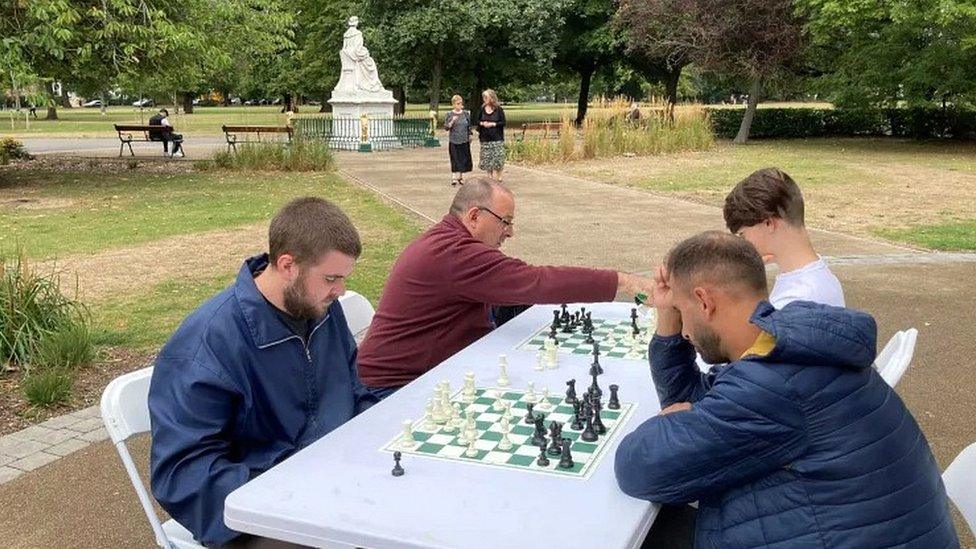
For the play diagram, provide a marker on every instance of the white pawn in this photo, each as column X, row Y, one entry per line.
column 538, row 362
column 505, row 444
column 503, row 366
column 471, row 451
column 553, row 359
column 430, row 420
column 530, row 394
column 456, row 415
column 406, row 438
column 609, row 341
column 544, row 403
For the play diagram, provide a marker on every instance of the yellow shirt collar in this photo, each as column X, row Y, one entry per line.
column 762, row 346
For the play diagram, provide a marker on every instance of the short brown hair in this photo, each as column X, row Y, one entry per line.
column 765, row 194
column 717, row 258
column 309, row 227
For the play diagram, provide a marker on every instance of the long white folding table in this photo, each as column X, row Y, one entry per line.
column 339, row 491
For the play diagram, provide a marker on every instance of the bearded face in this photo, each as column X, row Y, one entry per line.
column 297, row 301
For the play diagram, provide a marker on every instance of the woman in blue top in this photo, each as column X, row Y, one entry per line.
column 491, row 133
column 458, row 124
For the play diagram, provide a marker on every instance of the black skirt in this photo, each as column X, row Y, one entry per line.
column 460, row 157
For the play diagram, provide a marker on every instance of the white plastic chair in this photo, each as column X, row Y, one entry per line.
column 359, row 311
column 125, row 411
column 960, row 483
column 893, row 361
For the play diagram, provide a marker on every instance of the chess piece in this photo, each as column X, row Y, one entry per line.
column 595, row 387
column 598, row 425
column 469, row 388
column 539, row 436
column 471, row 451
column 530, row 395
column 577, row 416
column 406, row 438
column 432, row 416
column 552, row 334
column 505, row 444
column 614, row 403
column 555, row 435
column 589, row 435
column 502, row 380
column 543, row 460
column 555, row 320
column 530, row 415
column 544, row 403
column 397, row 469
column 566, row 456
column 538, row 362
column 571, row 391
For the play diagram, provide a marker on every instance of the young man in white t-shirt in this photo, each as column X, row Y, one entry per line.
column 766, row 209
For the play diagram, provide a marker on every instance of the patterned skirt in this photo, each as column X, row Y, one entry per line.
column 492, row 156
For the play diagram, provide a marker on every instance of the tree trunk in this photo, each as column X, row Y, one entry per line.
column 583, row 101
column 225, row 100
column 436, row 71
column 187, row 103
column 400, row 94
column 65, row 100
column 104, row 106
column 287, row 106
column 16, row 90
column 474, row 100
column 671, row 86
column 52, row 110
column 326, row 106
column 750, row 113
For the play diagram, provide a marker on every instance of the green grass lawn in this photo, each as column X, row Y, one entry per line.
column 77, row 214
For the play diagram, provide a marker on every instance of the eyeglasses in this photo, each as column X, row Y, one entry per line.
column 504, row 221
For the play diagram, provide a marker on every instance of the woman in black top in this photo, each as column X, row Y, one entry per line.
column 491, row 134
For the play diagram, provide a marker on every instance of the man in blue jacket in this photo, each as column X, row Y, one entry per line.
column 797, row 441
column 259, row 371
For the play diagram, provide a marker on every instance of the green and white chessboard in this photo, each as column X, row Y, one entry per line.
column 575, row 343
column 436, row 443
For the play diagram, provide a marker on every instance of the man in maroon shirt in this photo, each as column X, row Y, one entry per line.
column 438, row 296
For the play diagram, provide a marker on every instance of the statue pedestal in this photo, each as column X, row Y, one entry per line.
column 377, row 106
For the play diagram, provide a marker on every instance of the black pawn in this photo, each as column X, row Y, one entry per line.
column 543, row 460
column 598, row 425
column 555, row 319
column 552, row 334
column 577, row 416
column 397, row 469
column 571, row 392
column 530, row 417
column 589, row 435
column 614, row 403
column 566, row 458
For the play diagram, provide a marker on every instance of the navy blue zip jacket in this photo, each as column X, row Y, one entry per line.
column 235, row 392
column 805, row 446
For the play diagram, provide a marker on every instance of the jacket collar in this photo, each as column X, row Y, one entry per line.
column 259, row 315
column 451, row 221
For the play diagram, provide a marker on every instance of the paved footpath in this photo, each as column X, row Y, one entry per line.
column 559, row 219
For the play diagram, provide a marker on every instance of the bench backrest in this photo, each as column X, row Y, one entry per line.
column 549, row 129
column 257, row 129
column 137, row 128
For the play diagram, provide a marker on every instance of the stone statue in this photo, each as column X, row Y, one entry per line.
column 358, row 68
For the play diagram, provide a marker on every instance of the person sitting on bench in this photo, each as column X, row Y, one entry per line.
column 162, row 119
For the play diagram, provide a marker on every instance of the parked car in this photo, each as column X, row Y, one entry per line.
column 92, row 103
column 143, row 103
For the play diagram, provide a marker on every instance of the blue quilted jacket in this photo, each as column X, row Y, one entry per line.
column 804, row 447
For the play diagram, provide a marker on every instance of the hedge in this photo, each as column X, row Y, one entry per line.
column 918, row 123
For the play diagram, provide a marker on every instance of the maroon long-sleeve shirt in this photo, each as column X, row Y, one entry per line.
column 437, row 299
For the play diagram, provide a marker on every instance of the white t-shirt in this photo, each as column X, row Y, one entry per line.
column 812, row 282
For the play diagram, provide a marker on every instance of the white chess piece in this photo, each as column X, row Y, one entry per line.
column 507, row 414
column 503, row 367
column 609, row 342
column 552, row 360
column 456, row 419
column 530, row 394
column 406, row 438
column 505, row 444
column 538, row 362
column 469, row 391
column 544, row 403
column 432, row 417
column 471, row 451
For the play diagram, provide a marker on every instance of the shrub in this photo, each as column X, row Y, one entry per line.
column 32, row 307
column 67, row 348
column 11, row 149
column 47, row 386
column 300, row 156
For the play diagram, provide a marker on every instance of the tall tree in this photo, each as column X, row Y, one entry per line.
column 588, row 41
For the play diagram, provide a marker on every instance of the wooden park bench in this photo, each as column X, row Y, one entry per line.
column 139, row 133
column 550, row 130
column 234, row 134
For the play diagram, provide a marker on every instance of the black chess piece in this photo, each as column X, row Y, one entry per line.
column 589, row 435
column 397, row 469
column 633, row 314
column 598, row 425
column 543, row 460
column 577, row 416
column 555, row 434
column 539, row 436
column 571, row 391
column 614, row 403
column 566, row 456
column 529, row 417
column 555, row 319
column 595, row 387
column 552, row 334
column 582, row 313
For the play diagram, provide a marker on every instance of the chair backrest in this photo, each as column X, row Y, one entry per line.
column 960, row 483
column 901, row 358
column 359, row 311
column 125, row 412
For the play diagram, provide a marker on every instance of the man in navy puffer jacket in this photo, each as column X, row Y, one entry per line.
column 797, row 442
